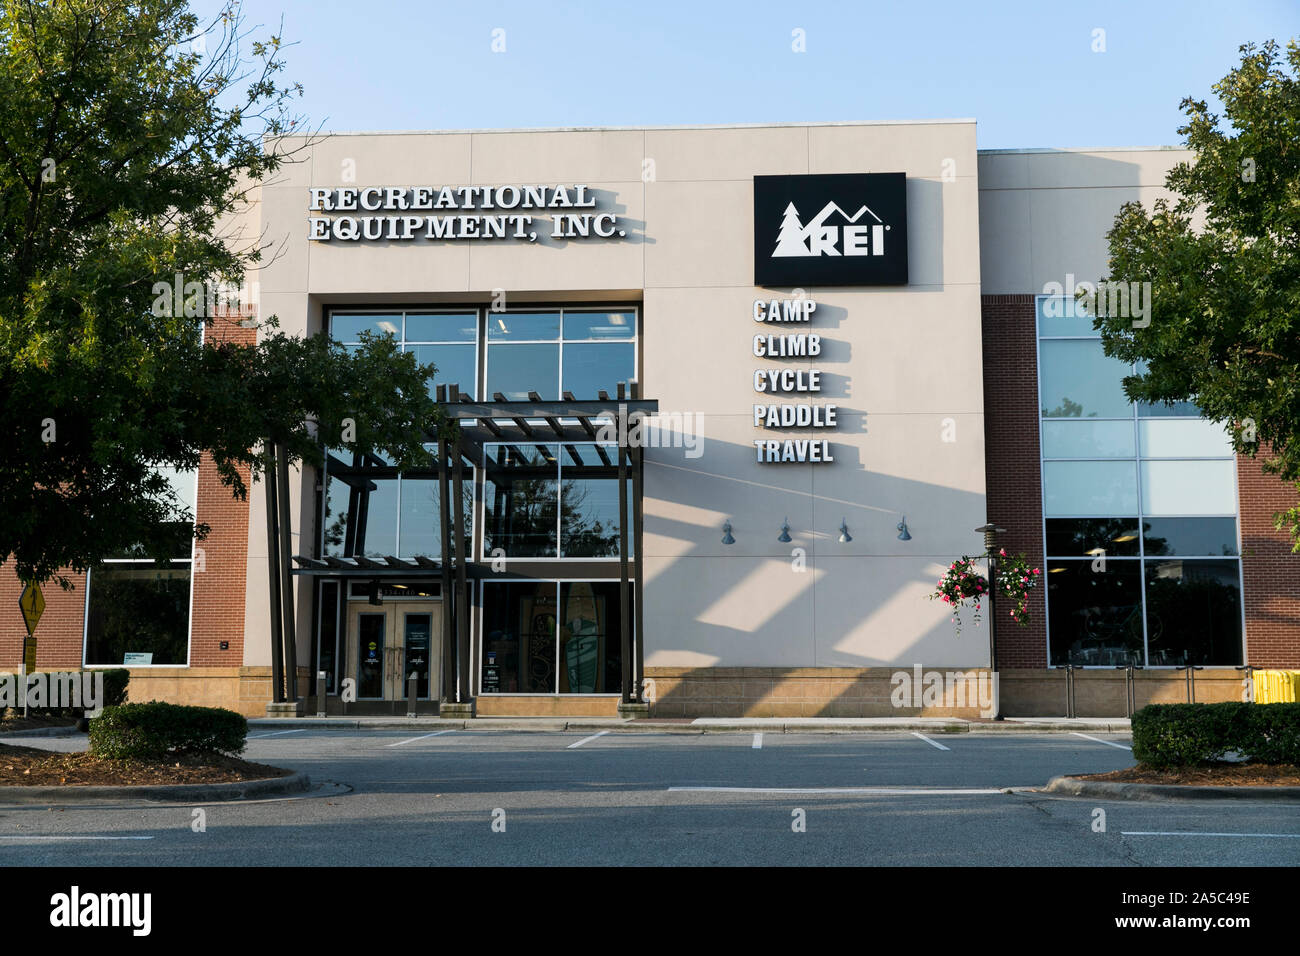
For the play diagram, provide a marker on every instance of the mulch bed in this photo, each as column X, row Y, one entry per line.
column 1211, row 775
column 30, row 767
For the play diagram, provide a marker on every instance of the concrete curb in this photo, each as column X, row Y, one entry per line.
column 1099, row 790
column 703, row 725
column 68, row 731
column 173, row 793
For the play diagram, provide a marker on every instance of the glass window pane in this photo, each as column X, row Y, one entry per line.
column 524, row 326
column 1068, row 537
column 426, row 327
column 1183, row 438
column 360, row 516
column 599, row 325
column 519, row 633
column 1194, row 610
column 329, row 633
column 1189, row 487
column 348, row 328
column 1060, row 315
column 589, row 368
column 1077, row 380
column 590, row 638
column 514, row 370
column 138, row 608
column 421, row 531
column 1087, row 488
column 589, row 526
column 1085, row 439
column 456, row 365
column 1172, row 410
column 1094, row 617
column 1195, row 536
column 521, row 501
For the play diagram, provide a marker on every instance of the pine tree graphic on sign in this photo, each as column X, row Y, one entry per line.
column 790, row 241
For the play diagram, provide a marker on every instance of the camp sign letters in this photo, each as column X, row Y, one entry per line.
column 835, row 229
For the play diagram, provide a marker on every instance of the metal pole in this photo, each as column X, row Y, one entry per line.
column 321, row 677
column 624, row 623
column 286, row 575
column 638, row 549
column 462, row 592
column 444, row 513
column 412, row 693
column 273, row 574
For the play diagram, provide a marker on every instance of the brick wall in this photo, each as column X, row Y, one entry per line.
column 1012, row 472
column 1270, row 572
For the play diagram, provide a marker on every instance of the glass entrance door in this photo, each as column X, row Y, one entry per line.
column 386, row 646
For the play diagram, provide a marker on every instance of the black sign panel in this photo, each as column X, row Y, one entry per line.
column 839, row 229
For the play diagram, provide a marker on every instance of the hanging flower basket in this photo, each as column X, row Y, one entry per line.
column 960, row 584
column 1015, row 580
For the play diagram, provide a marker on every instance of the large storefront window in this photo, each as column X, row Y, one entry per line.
column 558, row 352
column 1127, row 488
column 138, row 611
column 551, row 501
column 548, row 637
column 373, row 511
column 446, row 340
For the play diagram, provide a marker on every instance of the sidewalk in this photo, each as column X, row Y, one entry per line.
column 703, row 725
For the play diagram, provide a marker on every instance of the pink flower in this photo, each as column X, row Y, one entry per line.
column 1003, row 552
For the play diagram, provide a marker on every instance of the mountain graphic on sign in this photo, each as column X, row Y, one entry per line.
column 793, row 238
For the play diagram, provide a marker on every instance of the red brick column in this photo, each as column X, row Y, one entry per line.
column 1270, row 571
column 1012, row 469
column 220, row 567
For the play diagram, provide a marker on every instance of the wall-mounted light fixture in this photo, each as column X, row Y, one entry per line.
column 902, row 530
column 845, row 537
column 726, row 534
column 784, row 537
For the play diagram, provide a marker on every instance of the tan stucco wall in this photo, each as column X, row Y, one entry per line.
column 1044, row 213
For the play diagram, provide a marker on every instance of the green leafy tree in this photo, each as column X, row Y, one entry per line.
column 1223, row 260
column 131, row 136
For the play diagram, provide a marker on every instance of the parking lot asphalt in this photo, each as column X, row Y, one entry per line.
column 451, row 797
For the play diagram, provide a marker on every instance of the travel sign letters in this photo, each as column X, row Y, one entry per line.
column 840, row 229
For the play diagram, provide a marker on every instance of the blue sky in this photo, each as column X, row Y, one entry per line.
column 1026, row 71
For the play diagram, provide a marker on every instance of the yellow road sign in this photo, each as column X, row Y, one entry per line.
column 29, row 655
column 32, row 604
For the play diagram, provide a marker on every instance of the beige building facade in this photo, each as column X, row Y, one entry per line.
column 819, row 357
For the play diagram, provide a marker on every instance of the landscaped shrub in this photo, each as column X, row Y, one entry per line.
column 1275, row 733
column 1187, row 735
column 115, row 681
column 156, row 730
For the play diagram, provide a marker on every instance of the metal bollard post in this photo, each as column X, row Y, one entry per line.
column 1130, row 687
column 412, row 688
column 320, row 693
column 1191, row 670
column 1069, row 690
column 1249, row 679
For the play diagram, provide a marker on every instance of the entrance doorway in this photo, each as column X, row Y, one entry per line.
column 389, row 643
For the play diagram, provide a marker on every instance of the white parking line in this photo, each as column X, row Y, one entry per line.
column 894, row 791
column 6, row 838
column 1275, row 836
column 932, row 743
column 758, row 742
column 1108, row 743
column 587, row 740
column 436, row 733
column 277, row 733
